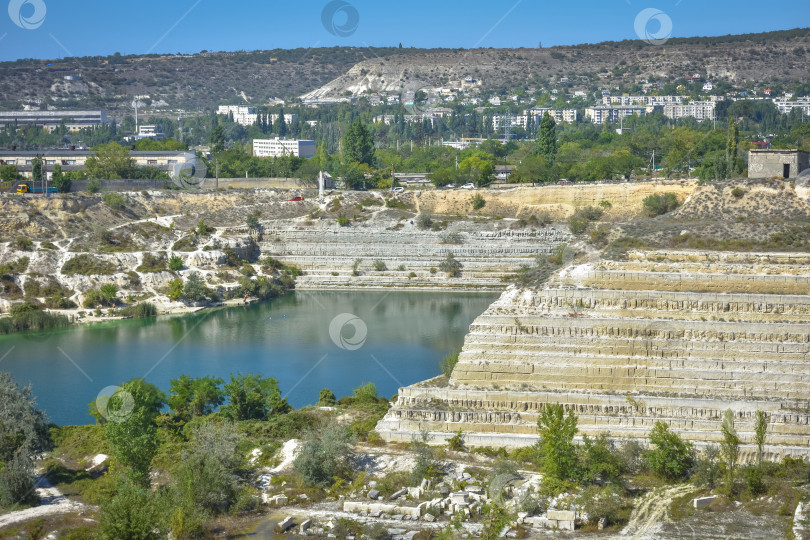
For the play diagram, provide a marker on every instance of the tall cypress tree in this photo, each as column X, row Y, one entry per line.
column 547, row 138
column 358, row 145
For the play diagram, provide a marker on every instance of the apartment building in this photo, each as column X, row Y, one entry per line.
column 602, row 114
column 785, row 105
column 283, row 147
column 699, row 110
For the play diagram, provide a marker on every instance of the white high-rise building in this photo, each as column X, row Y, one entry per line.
column 283, row 147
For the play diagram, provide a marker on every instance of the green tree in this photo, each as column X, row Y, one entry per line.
column 280, row 126
column 326, row 398
column 671, row 457
column 9, row 173
column 23, row 435
column 36, row 169
column 190, row 398
column 109, row 161
column 760, row 430
column 253, row 397
column 129, row 426
column 358, row 145
column 194, row 290
column 532, row 169
column 207, row 476
column 175, row 290
column 217, row 140
column 731, row 146
column 61, row 182
column 547, row 138
column 729, row 447
column 557, row 433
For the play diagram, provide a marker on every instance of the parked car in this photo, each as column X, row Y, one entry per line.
column 563, row 181
column 468, row 186
column 296, row 199
column 398, row 189
column 450, row 186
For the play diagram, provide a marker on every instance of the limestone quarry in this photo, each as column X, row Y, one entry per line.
column 633, row 326
column 673, row 335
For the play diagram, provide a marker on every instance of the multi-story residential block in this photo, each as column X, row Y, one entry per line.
column 699, row 110
column 627, row 99
column 283, row 147
column 602, row 114
column 569, row 116
column 786, row 105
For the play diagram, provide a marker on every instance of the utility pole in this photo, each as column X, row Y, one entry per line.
column 216, row 185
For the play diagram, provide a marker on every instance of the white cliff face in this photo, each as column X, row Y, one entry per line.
column 606, row 344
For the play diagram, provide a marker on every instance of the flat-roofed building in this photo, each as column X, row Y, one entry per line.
column 283, row 147
column 699, row 110
column 601, row 114
column 73, row 120
column 770, row 163
column 173, row 162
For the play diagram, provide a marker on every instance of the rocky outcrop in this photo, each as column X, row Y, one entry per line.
column 602, row 341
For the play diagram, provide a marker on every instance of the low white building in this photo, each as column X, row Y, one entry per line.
column 283, row 147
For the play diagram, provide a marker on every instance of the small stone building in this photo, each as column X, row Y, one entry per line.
column 770, row 163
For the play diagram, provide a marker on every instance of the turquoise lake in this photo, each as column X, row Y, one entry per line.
column 391, row 339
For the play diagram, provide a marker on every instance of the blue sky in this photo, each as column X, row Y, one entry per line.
column 94, row 27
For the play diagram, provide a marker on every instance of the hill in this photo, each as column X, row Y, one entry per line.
column 200, row 82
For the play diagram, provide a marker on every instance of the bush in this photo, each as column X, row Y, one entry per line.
column 343, row 221
column 175, row 263
column 477, row 201
column 23, row 243
column 579, row 221
column 87, row 265
column 140, row 311
column 424, row 220
column 93, row 186
column 95, row 297
column 449, row 362
column 130, row 514
column 451, row 266
column 659, row 204
column 152, row 263
column 456, row 442
column 324, row 456
column 379, row 265
column 203, row 229
column 738, row 192
column 113, row 200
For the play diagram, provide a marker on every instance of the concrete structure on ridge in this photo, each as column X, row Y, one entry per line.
column 772, row 163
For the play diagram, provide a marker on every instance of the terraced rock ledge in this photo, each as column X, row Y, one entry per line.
column 673, row 336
